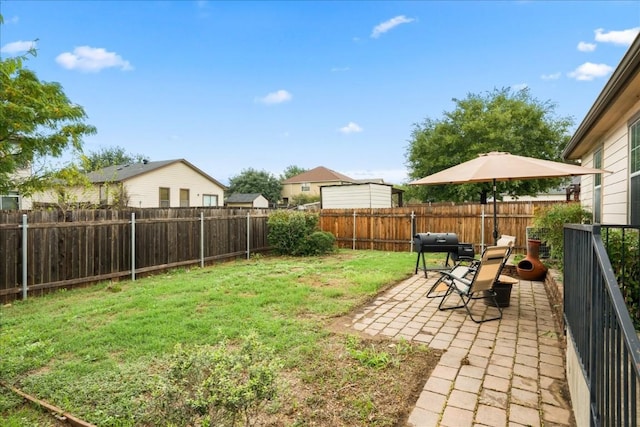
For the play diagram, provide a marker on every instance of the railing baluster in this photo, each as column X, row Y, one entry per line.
column 598, row 320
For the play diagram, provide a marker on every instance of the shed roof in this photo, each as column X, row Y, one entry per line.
column 243, row 197
column 318, row 174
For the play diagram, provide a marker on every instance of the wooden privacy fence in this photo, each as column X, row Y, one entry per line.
column 44, row 250
column 393, row 229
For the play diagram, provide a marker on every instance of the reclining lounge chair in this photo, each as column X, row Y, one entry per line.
column 476, row 283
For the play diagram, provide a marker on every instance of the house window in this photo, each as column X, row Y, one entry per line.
column 306, row 186
column 209, row 200
column 10, row 201
column 104, row 197
column 597, row 187
column 164, row 197
column 184, row 198
column 634, row 174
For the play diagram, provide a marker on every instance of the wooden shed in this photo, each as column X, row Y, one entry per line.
column 246, row 200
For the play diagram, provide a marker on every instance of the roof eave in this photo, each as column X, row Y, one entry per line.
column 619, row 80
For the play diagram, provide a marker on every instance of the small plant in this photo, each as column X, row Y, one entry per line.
column 218, row 385
column 553, row 220
column 368, row 355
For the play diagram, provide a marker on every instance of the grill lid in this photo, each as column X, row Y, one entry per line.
column 444, row 242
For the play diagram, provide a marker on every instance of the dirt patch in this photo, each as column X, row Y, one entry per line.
column 341, row 387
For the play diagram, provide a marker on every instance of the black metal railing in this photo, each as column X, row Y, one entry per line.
column 599, row 323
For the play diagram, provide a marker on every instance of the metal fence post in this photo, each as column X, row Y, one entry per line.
column 133, row 246
column 202, row 239
column 25, row 252
column 248, row 235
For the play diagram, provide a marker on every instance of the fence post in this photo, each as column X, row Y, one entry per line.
column 133, row 246
column 201, row 239
column 353, row 247
column 25, row 252
column 248, row 235
column 413, row 230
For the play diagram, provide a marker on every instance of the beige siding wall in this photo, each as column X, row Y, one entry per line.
column 73, row 195
column 261, row 202
column 144, row 190
column 290, row 190
column 615, row 194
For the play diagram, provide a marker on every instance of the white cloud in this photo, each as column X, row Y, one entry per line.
column 586, row 47
column 589, row 71
column 351, row 127
column 383, row 27
column 519, row 86
column 623, row 37
column 554, row 76
column 18, row 47
column 277, row 97
column 91, row 59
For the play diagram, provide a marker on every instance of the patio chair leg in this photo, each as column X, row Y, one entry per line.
column 446, row 296
column 491, row 295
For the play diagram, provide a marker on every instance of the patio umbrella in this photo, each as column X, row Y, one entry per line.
column 499, row 166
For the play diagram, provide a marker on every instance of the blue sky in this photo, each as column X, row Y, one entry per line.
column 264, row 84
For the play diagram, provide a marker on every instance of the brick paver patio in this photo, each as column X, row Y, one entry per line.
column 507, row 372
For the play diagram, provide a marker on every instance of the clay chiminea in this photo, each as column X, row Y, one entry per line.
column 531, row 268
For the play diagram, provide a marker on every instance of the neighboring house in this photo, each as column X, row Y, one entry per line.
column 569, row 192
column 13, row 200
column 609, row 138
column 309, row 183
column 354, row 196
column 164, row 184
column 243, row 200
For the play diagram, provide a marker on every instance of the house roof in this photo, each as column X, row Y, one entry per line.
column 243, row 197
column 618, row 95
column 120, row 173
column 319, row 174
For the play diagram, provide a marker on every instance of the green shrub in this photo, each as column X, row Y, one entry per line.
column 553, row 220
column 624, row 255
column 216, row 386
column 318, row 243
column 296, row 233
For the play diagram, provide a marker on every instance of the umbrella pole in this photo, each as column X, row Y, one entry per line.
column 482, row 231
column 495, row 215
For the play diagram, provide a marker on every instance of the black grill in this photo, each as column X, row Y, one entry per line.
column 443, row 243
column 436, row 242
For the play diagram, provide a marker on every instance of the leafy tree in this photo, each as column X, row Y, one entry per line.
column 254, row 181
column 292, row 170
column 501, row 120
column 109, row 156
column 36, row 120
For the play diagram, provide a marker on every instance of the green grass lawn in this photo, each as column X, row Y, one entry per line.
column 97, row 352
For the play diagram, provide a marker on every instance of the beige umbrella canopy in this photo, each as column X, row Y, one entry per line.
column 499, row 166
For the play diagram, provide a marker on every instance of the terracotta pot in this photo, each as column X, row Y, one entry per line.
column 531, row 268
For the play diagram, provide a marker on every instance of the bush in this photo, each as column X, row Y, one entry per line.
column 296, row 233
column 318, row 243
column 553, row 220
